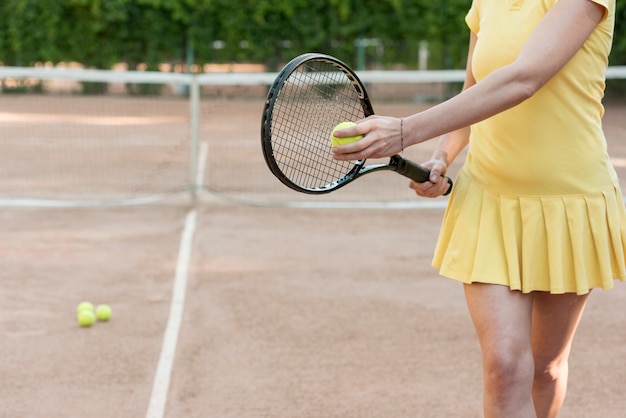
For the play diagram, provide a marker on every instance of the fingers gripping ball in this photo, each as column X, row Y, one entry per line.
column 103, row 312
column 342, row 141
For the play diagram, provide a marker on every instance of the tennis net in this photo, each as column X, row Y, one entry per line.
column 91, row 137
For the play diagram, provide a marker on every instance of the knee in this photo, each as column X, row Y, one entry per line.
column 549, row 371
column 508, row 370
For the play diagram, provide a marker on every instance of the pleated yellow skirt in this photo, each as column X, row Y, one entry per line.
column 556, row 244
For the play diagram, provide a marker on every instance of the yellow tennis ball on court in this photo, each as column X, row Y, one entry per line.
column 103, row 312
column 84, row 306
column 342, row 141
column 86, row 318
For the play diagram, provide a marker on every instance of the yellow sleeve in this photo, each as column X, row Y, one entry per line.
column 472, row 19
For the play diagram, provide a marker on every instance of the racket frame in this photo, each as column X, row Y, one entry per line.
column 396, row 163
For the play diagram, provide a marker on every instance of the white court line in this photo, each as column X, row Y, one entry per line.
column 161, row 384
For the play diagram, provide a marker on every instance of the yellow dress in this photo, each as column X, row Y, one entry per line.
column 537, row 204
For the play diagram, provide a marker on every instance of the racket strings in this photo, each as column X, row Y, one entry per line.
column 313, row 99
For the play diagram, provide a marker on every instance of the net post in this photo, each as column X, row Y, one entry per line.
column 194, row 106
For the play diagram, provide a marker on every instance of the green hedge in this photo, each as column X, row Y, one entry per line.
column 99, row 33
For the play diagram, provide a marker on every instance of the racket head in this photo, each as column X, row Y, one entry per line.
column 310, row 96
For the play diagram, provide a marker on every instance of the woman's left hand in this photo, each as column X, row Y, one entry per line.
column 437, row 185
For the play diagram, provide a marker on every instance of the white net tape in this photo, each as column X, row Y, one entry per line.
column 59, row 146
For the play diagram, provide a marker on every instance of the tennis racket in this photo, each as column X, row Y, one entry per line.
column 310, row 96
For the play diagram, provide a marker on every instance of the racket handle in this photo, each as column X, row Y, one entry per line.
column 415, row 171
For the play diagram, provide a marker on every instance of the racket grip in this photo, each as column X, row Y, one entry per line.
column 415, row 171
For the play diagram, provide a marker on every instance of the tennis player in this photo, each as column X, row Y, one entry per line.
column 536, row 218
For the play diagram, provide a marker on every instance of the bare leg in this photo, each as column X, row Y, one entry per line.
column 555, row 319
column 503, row 320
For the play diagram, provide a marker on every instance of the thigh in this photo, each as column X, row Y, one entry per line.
column 555, row 319
column 502, row 317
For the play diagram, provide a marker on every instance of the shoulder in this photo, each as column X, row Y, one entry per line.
column 473, row 16
column 498, row 9
column 607, row 5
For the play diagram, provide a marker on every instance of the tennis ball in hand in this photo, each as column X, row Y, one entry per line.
column 343, row 141
column 103, row 312
column 86, row 318
column 84, row 306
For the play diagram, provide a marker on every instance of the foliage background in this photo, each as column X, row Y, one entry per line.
column 146, row 33
column 99, row 33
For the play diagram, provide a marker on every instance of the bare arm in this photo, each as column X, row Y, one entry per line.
column 560, row 34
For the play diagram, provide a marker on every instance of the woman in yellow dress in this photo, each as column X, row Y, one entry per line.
column 536, row 218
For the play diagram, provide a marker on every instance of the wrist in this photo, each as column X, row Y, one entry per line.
column 411, row 133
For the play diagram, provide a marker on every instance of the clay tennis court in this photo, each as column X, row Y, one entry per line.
column 285, row 311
